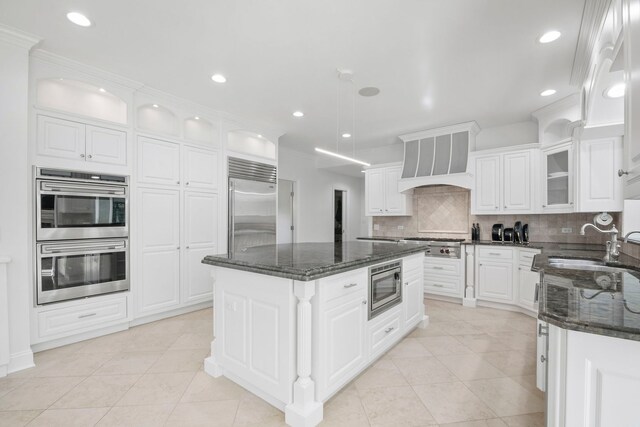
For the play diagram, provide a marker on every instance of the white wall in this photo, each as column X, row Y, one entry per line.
column 507, row 136
column 314, row 198
column 15, row 178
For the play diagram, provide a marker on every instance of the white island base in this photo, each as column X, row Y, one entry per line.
column 295, row 343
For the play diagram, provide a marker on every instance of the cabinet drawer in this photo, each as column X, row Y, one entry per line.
column 414, row 263
column 441, row 284
column 384, row 333
column 526, row 257
column 495, row 253
column 92, row 315
column 442, row 267
column 344, row 284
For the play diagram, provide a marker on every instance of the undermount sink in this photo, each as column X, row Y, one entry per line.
column 583, row 264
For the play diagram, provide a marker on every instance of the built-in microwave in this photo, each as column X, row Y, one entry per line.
column 385, row 287
column 77, row 205
column 77, row 269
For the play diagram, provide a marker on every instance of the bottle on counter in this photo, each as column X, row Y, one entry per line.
column 474, row 232
column 477, row 232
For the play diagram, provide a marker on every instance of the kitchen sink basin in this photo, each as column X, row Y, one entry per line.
column 584, row 264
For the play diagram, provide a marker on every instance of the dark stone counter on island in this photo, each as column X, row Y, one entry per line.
column 311, row 261
column 597, row 302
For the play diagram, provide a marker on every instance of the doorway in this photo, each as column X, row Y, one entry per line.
column 285, row 226
column 339, row 215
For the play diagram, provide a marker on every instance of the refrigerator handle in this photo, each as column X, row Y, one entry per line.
column 231, row 210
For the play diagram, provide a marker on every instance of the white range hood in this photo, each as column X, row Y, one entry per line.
column 438, row 156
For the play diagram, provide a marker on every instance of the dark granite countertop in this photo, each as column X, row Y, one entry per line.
column 602, row 303
column 310, row 261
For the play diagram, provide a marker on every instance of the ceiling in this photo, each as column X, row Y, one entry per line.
column 436, row 62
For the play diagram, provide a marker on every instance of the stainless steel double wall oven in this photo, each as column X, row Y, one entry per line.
column 82, row 234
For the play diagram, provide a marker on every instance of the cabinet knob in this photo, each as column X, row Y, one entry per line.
column 542, row 358
column 82, row 155
column 187, row 247
column 496, row 207
column 505, row 206
column 90, row 156
column 406, row 283
column 177, row 182
column 386, row 331
column 178, row 247
column 364, row 302
column 186, row 183
column 544, row 206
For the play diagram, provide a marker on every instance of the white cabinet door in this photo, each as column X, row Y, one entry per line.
column 631, row 46
column 201, row 168
column 200, row 240
column 600, row 187
column 527, row 283
column 558, row 178
column 517, row 181
column 413, row 298
column 394, row 200
column 487, row 191
column 61, row 138
column 495, row 281
column 106, row 145
column 343, row 341
column 542, row 337
column 159, row 231
column 375, row 188
column 158, row 161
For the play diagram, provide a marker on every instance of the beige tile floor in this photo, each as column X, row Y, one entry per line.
column 468, row 368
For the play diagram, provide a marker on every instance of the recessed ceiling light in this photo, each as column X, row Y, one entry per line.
column 615, row 91
column 197, row 118
column 298, row 114
column 218, row 78
column 155, row 105
column 79, row 19
column 550, row 36
column 346, row 135
column 369, row 91
column 102, row 90
column 259, row 136
column 548, row 92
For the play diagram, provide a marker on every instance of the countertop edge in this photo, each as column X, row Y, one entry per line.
column 570, row 326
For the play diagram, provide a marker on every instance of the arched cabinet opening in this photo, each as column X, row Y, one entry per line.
column 157, row 119
column 251, row 143
column 200, row 130
column 84, row 99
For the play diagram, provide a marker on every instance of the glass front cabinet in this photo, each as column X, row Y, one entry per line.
column 558, row 178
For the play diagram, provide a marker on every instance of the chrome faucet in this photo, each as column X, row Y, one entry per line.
column 612, row 245
column 626, row 237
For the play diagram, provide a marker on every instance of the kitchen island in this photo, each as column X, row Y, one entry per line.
column 294, row 323
column 589, row 338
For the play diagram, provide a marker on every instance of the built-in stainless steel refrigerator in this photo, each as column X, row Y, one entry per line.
column 252, row 204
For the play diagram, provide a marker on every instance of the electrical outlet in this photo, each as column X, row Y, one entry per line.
column 401, row 227
column 567, row 230
column 376, row 227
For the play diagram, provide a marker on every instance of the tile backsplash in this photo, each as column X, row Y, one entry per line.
column 455, row 215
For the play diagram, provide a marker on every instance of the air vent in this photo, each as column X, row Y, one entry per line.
column 246, row 169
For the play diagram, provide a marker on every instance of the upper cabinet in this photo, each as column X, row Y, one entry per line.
column 382, row 197
column 503, row 183
column 631, row 31
column 558, row 179
column 80, row 142
column 438, row 156
column 599, row 186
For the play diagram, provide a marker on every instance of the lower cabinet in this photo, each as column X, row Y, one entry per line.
column 595, row 380
column 527, row 284
column 495, row 281
column 414, row 297
column 443, row 276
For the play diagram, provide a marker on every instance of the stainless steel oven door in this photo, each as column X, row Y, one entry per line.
column 69, row 270
column 75, row 210
column 385, row 290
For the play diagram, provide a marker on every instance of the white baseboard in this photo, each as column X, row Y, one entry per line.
column 166, row 314
column 469, row 302
column 4, row 370
column 20, row 361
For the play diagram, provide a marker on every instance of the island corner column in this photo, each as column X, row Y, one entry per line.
column 305, row 410
column 211, row 365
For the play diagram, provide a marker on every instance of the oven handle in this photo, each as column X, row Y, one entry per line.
column 86, row 247
column 58, row 188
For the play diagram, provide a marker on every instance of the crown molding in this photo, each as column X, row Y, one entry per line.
column 472, row 127
column 62, row 61
column 18, row 38
column 593, row 17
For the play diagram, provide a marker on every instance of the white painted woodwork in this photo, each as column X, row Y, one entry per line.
column 61, row 138
column 413, row 293
column 527, row 283
column 382, row 197
column 201, row 168
column 504, row 183
column 542, row 338
column 158, row 161
column 631, row 31
column 444, row 276
column 200, row 239
column 516, row 182
column 159, row 231
column 593, row 379
column 55, row 322
column 494, row 253
column 384, row 331
column 600, row 189
column 5, row 353
column 487, row 191
column 495, row 281
column 106, row 145
column 558, row 185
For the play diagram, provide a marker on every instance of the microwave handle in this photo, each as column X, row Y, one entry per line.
column 58, row 187
column 56, row 249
